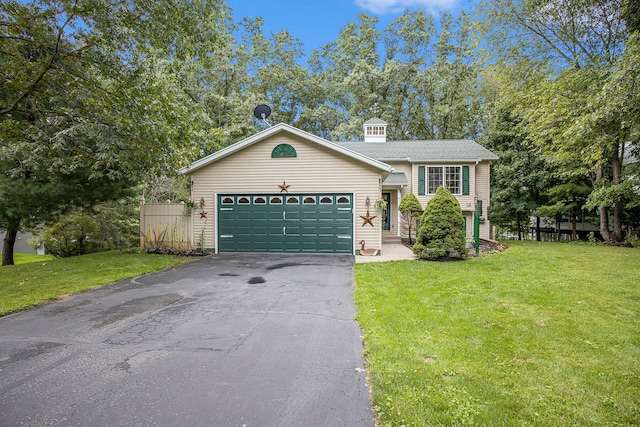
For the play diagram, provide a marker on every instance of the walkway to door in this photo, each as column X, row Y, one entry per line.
column 392, row 250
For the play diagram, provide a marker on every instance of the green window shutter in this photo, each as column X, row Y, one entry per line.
column 421, row 181
column 465, row 180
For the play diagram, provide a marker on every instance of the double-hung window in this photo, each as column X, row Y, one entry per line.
column 453, row 178
column 434, row 179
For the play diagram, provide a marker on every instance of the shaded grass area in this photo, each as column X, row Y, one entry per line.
column 28, row 284
column 542, row 334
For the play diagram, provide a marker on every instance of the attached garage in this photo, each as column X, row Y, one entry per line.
column 284, row 190
column 306, row 223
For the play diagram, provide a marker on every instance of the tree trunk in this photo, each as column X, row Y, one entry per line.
column 574, row 225
column 9, row 242
column 604, row 225
column 604, row 213
column 616, row 162
column 537, row 229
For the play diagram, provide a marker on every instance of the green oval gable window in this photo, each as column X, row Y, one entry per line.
column 283, row 150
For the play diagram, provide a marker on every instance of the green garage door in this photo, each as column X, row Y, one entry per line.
column 311, row 223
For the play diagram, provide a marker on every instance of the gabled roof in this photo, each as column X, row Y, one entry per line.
column 282, row 127
column 423, row 151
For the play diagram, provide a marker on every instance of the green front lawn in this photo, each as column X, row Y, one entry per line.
column 27, row 258
column 543, row 334
column 27, row 284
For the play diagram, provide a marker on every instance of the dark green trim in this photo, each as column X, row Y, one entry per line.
column 421, row 180
column 465, row 180
column 283, row 150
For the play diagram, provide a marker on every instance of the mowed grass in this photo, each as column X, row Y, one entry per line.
column 544, row 334
column 27, row 284
column 27, row 258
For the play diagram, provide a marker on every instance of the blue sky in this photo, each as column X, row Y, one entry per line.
column 317, row 22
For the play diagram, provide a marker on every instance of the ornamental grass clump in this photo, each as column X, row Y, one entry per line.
column 441, row 234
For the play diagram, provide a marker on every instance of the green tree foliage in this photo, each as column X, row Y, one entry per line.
column 441, row 233
column 91, row 101
column 576, row 104
column 631, row 15
column 72, row 235
column 346, row 80
column 566, row 200
column 424, row 84
column 250, row 68
column 161, row 189
column 411, row 210
column 520, row 178
column 105, row 226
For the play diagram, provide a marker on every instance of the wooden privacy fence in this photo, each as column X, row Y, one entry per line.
column 166, row 227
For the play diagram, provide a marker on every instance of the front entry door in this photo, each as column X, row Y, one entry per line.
column 386, row 215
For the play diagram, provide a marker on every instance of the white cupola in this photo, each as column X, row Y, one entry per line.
column 375, row 130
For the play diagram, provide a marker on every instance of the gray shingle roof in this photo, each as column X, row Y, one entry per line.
column 375, row 121
column 396, row 178
column 422, row 151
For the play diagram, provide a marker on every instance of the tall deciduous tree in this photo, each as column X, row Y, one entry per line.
column 347, row 79
column 424, row 84
column 90, row 100
column 520, row 178
column 581, row 43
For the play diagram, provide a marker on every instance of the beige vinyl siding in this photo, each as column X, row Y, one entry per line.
column 468, row 217
column 316, row 169
column 466, row 202
column 396, row 196
column 478, row 185
column 482, row 175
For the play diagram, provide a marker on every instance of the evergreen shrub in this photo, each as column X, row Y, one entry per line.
column 441, row 232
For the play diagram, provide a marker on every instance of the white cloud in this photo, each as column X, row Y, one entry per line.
column 381, row 7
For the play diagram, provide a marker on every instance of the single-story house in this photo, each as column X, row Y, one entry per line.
column 286, row 190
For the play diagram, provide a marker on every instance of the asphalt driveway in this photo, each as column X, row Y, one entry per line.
column 230, row 340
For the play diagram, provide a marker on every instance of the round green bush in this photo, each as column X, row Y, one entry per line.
column 70, row 236
column 441, row 233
